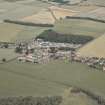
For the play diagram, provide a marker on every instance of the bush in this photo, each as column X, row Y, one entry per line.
column 3, row 60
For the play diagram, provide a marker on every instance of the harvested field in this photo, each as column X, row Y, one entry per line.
column 49, row 15
column 61, row 12
column 15, row 11
column 96, row 2
column 97, row 13
column 43, row 17
column 81, row 9
column 94, row 48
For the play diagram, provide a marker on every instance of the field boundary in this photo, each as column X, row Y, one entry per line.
column 28, row 23
column 85, row 18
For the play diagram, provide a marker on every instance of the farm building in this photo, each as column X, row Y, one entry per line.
column 40, row 55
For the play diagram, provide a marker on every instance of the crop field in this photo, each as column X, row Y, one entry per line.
column 43, row 17
column 61, row 12
column 97, row 13
column 8, row 54
column 12, row 32
column 49, row 15
column 80, row 27
column 15, row 10
column 80, row 9
column 97, row 2
column 26, row 79
column 94, row 48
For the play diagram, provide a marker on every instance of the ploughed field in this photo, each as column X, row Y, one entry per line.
column 27, row 79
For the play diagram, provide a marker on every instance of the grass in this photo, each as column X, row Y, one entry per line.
column 13, row 32
column 80, row 27
column 7, row 54
column 24, row 79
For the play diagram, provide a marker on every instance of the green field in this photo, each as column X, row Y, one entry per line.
column 8, row 54
column 80, row 27
column 13, row 32
column 28, row 79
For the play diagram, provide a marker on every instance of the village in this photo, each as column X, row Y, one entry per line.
column 40, row 51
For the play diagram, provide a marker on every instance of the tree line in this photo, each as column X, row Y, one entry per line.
column 29, row 23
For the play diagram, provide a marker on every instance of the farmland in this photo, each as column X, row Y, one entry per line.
column 15, row 10
column 80, row 27
column 94, row 49
column 49, row 15
column 76, row 98
column 48, row 79
column 8, row 54
column 43, row 17
column 65, row 26
column 61, row 12
column 36, row 12
column 96, row 13
column 28, row 75
column 13, row 32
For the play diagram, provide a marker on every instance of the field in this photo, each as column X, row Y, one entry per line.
column 80, row 27
column 13, row 32
column 49, row 15
column 70, row 98
column 96, row 13
column 54, row 78
column 66, row 26
column 43, row 17
column 8, row 54
column 61, row 12
column 25, row 79
column 94, row 48
column 97, row 2
column 15, row 11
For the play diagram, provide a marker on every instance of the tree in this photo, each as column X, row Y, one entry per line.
column 18, row 50
column 3, row 60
